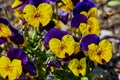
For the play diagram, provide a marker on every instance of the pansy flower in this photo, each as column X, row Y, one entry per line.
column 88, row 39
column 11, row 69
column 62, row 48
column 27, row 66
column 40, row 15
column 84, row 5
column 78, row 67
column 54, row 33
column 91, row 27
column 100, row 53
column 7, row 31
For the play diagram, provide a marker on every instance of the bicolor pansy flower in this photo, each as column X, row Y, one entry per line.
column 40, row 15
column 62, row 48
column 100, row 53
column 10, row 33
column 89, row 39
column 78, row 67
column 83, row 7
column 27, row 66
column 54, row 33
column 11, row 69
column 91, row 27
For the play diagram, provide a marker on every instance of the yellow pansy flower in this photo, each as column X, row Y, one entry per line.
column 92, row 27
column 42, row 14
column 100, row 53
column 11, row 69
column 4, row 30
column 64, row 47
column 78, row 67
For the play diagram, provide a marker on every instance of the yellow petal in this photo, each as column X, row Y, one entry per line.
column 84, row 13
column 83, row 28
column 106, row 47
column 54, row 45
column 93, row 26
column 93, row 12
column 28, row 9
column 16, row 3
column 45, row 11
column 4, row 62
column 69, row 43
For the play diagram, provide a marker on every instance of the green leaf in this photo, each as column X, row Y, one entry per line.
column 113, row 3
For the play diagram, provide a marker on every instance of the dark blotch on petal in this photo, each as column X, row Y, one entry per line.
column 77, row 19
column 22, row 79
column 16, row 53
column 88, row 39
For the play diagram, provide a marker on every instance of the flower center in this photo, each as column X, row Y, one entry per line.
column 9, row 67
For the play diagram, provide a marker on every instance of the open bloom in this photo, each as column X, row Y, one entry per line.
column 40, row 15
column 54, row 33
column 11, row 69
column 78, row 67
column 27, row 66
column 62, row 48
column 91, row 27
column 100, row 53
column 7, row 31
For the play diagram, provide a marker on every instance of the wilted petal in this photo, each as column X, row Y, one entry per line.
column 77, row 19
column 88, row 39
column 16, row 53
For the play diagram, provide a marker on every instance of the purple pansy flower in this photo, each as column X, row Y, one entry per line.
column 77, row 19
column 54, row 33
column 85, row 5
column 88, row 39
column 28, row 66
column 3, row 40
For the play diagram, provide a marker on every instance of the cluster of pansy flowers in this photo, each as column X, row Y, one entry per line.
column 75, row 47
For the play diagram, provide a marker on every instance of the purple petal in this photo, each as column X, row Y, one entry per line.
column 37, row 2
column 54, row 33
column 63, row 16
column 3, row 40
column 23, row 78
column 49, row 26
column 53, row 63
column 16, row 53
column 77, row 19
column 85, row 5
column 75, row 2
column 17, row 38
column 88, row 39
column 30, row 68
